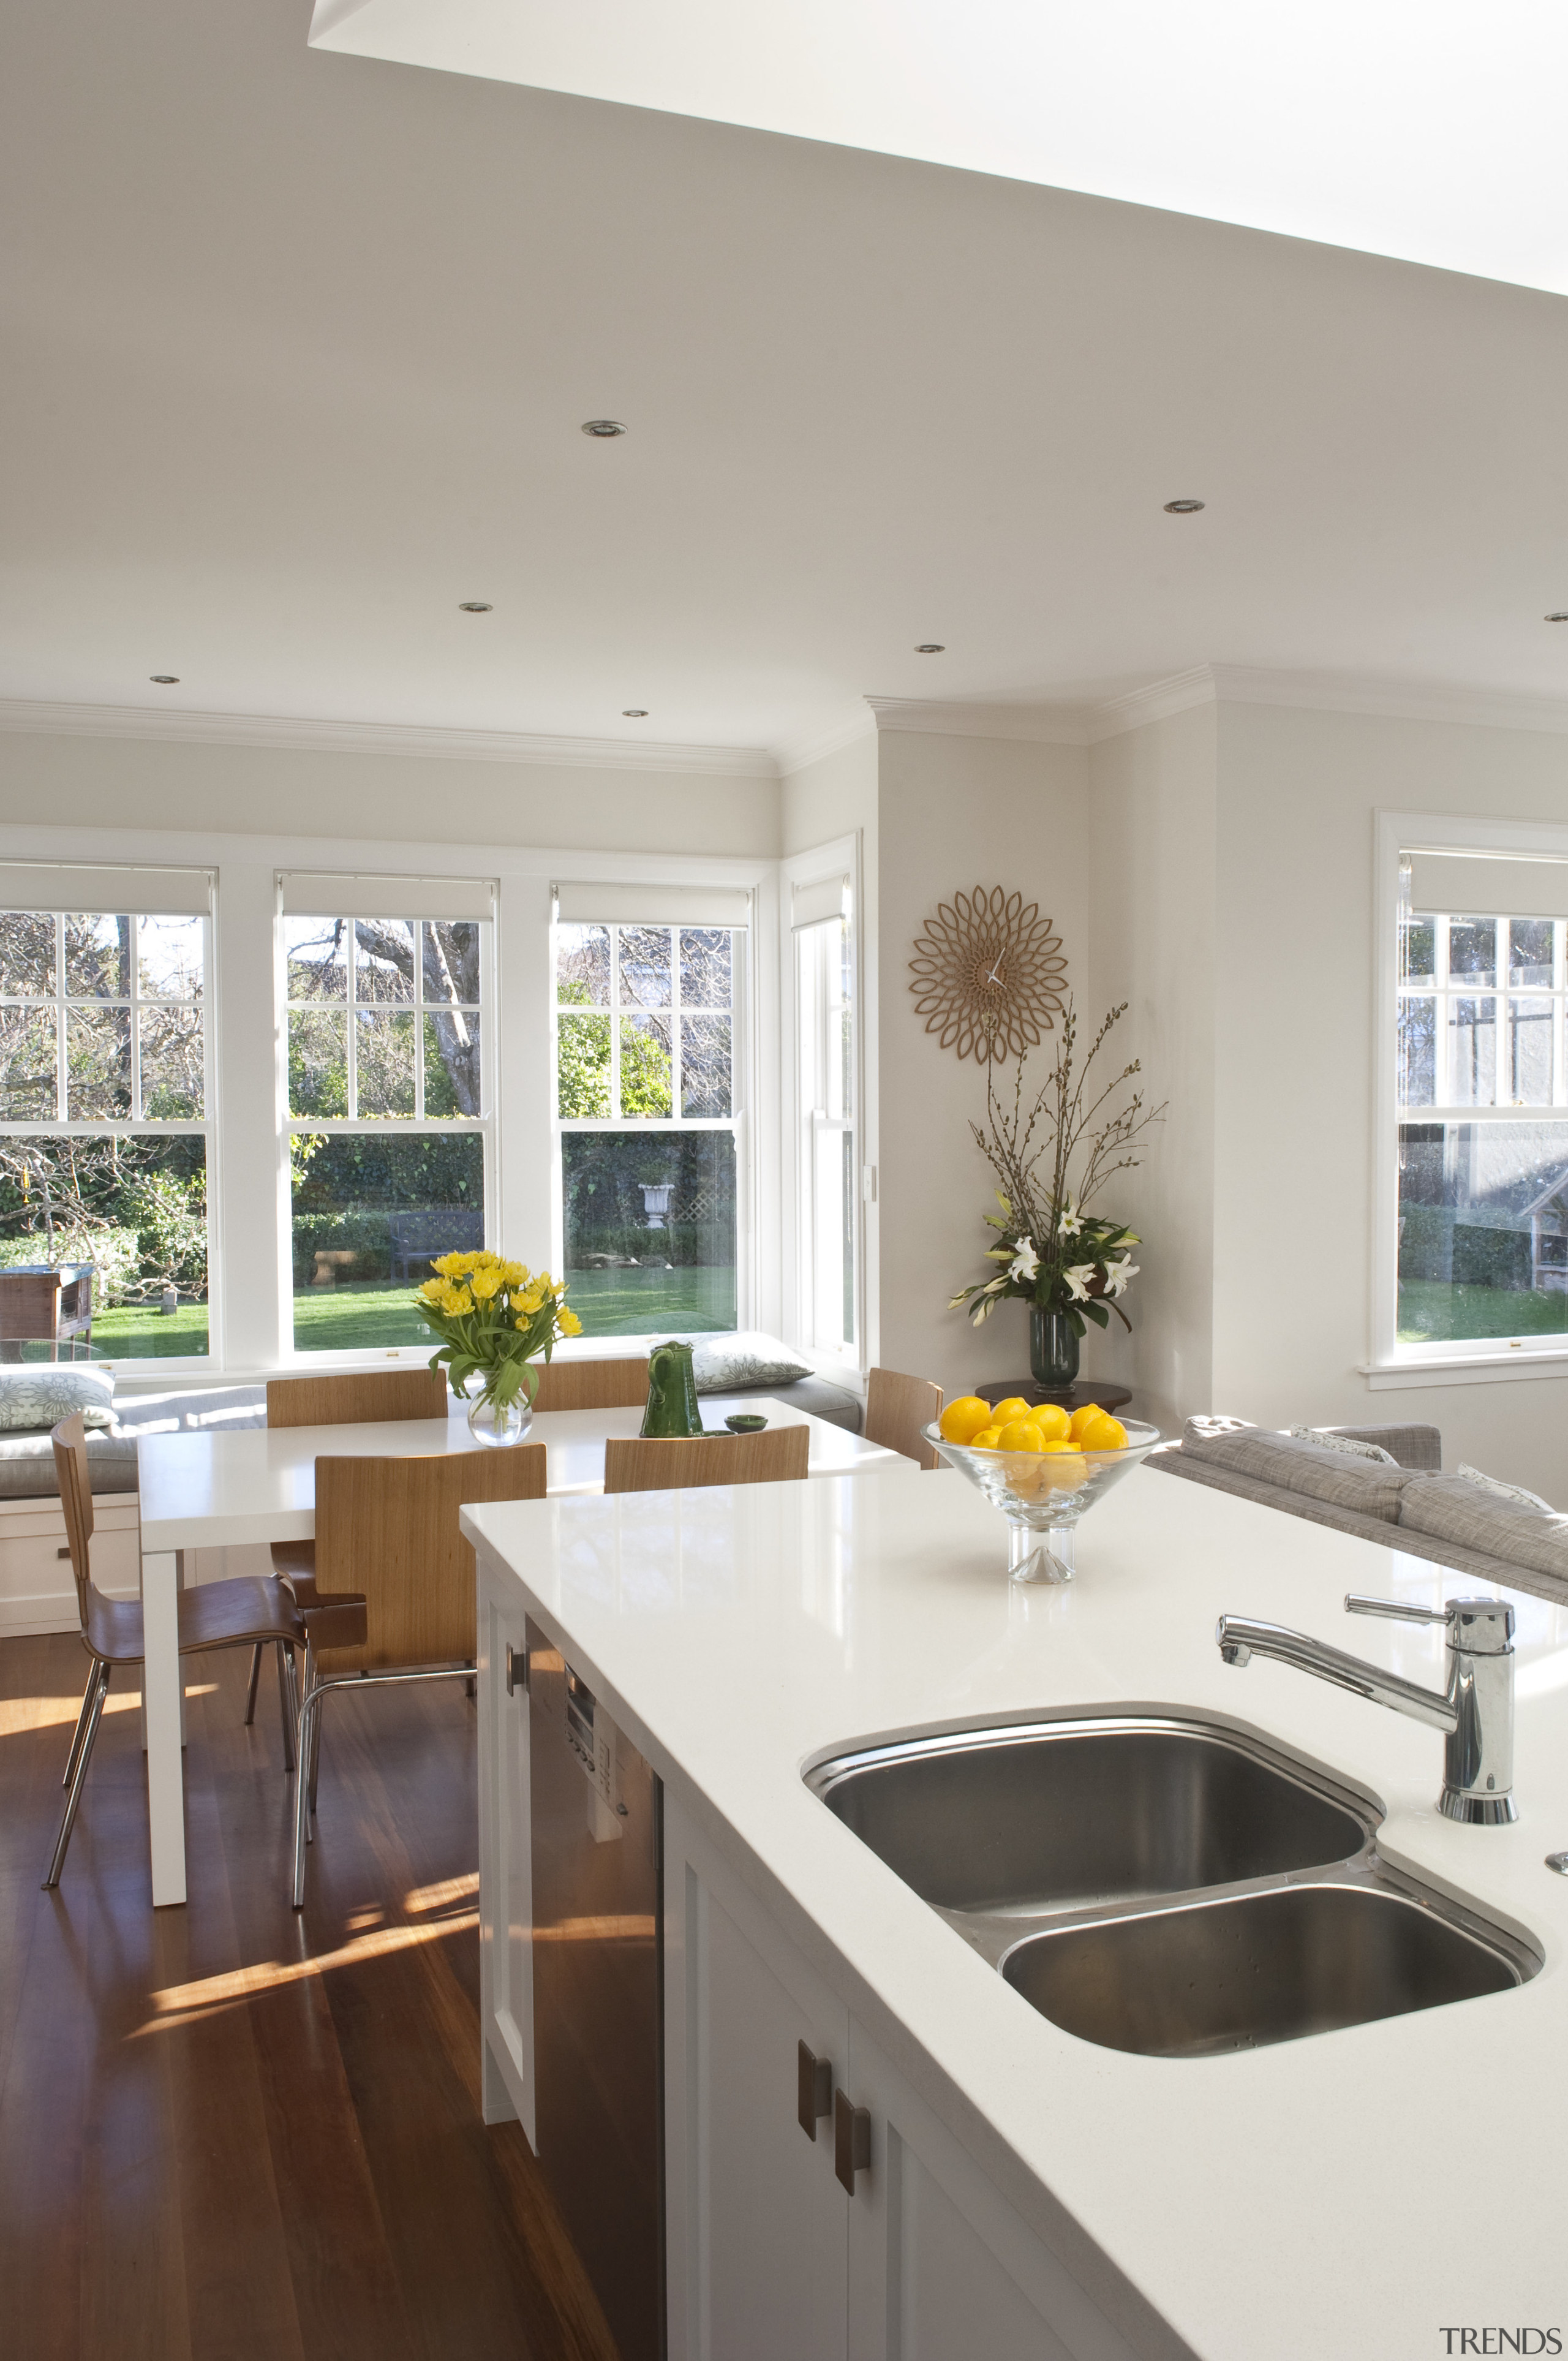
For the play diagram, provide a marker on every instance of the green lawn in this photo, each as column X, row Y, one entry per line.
column 1431, row 1311
column 128, row 1331
column 368, row 1314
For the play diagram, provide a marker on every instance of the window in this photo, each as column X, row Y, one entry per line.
column 648, row 1108
column 389, row 1120
column 103, row 1121
column 826, row 1163
column 1482, row 1106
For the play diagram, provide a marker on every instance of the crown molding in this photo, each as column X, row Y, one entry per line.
column 807, row 751
column 1399, row 701
column 1043, row 725
column 176, row 725
column 1160, row 701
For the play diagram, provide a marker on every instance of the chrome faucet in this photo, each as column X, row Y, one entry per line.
column 1475, row 1712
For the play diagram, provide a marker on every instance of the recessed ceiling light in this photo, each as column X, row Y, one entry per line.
column 164, row 679
column 1184, row 507
column 474, row 607
column 1561, row 618
column 603, row 430
column 930, row 648
column 634, row 713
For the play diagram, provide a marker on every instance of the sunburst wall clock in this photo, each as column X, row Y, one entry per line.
column 988, row 974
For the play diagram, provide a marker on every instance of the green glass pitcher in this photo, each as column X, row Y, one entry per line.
column 672, row 1392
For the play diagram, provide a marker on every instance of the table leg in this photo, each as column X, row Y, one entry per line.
column 163, row 1702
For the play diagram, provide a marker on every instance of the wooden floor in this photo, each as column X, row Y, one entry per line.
column 230, row 2130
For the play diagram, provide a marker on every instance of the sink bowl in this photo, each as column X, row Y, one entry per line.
column 1237, row 1974
column 1049, row 1814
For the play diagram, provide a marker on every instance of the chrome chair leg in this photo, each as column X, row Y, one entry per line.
column 310, row 1738
column 99, row 1691
column 81, row 1721
column 285, row 1708
column 255, row 1676
column 313, row 1679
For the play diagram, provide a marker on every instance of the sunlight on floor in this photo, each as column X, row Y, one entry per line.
column 180, row 2004
column 18, row 1714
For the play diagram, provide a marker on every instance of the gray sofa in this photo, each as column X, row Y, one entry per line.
column 1410, row 1506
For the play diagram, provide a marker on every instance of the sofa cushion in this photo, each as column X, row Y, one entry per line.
column 40, row 1393
column 1365, row 1488
column 1452, row 1509
column 744, row 1357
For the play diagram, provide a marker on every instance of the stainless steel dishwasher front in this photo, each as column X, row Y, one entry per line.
column 598, row 1993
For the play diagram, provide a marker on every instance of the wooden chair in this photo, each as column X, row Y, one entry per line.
column 362, row 1398
column 388, row 1543
column 661, row 1464
column 251, row 1610
column 896, row 1409
column 592, row 1384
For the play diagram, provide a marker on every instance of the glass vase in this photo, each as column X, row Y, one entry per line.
column 496, row 1423
column 1053, row 1347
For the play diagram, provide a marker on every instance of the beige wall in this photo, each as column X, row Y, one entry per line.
column 831, row 796
column 143, row 783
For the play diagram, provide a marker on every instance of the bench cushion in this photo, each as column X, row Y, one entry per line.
column 1450, row 1509
column 1363, row 1488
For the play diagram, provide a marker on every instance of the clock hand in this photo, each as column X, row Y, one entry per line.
column 995, row 975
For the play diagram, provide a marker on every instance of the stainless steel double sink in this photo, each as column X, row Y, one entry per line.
column 1159, row 1882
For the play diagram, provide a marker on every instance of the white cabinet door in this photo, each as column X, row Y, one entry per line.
column 940, row 2267
column 506, row 1899
column 756, row 2222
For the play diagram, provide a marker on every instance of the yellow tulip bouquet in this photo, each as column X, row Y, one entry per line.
column 496, row 1318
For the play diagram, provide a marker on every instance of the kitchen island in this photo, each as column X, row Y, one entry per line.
column 1024, row 2192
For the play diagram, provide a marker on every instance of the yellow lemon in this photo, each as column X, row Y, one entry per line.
column 962, row 1420
column 1020, row 1434
column 1064, row 1471
column 986, row 1439
column 1105, row 1434
column 1080, row 1419
column 1056, row 1443
column 1052, row 1421
column 1003, row 1413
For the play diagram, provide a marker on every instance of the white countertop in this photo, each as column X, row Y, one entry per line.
column 1332, row 2198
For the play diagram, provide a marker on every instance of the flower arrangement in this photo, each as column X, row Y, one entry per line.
column 496, row 1318
column 1054, row 1254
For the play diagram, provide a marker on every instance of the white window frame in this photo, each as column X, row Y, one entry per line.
column 204, row 1127
column 739, row 1122
column 1460, row 1361
column 839, row 858
column 486, row 1124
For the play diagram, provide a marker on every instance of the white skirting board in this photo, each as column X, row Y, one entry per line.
column 36, row 1592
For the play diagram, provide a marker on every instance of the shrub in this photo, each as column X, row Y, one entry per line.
column 362, row 1233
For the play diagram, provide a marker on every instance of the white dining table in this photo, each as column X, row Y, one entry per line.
column 214, row 1490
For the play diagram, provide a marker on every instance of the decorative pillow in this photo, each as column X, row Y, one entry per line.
column 1503, row 1491
column 720, row 1364
column 40, row 1393
column 1349, row 1443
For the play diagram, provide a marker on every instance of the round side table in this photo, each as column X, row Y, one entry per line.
column 1071, row 1397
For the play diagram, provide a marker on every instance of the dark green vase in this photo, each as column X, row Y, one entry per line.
column 672, row 1392
column 1053, row 1347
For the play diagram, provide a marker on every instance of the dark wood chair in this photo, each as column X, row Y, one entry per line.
column 898, row 1407
column 252, row 1610
column 389, row 1548
column 681, row 1463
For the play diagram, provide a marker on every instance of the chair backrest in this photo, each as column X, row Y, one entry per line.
column 70, row 1441
column 898, row 1407
column 389, row 1526
column 358, row 1399
column 664, row 1464
column 592, row 1384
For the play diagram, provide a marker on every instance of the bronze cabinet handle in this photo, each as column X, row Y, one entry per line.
column 813, row 2090
column 517, row 1669
column 852, row 2139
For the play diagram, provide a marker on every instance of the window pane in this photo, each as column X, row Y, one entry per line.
column 451, row 1076
column 1528, row 1081
column 98, row 1064
column 582, row 966
column 645, row 967
column 384, row 967
column 640, row 1266
column 317, row 950
column 1472, row 1053
column 134, row 1209
column 451, row 955
column 645, row 1087
column 369, row 1212
column 27, row 1064
column 705, row 1066
column 97, row 958
column 1473, row 950
column 1529, row 951
column 1418, row 1048
column 705, row 967
column 318, row 1062
column 27, row 954
column 384, row 1044
column 168, row 953
column 1483, row 1231
column 1420, row 948
column 582, row 1063
column 171, row 1063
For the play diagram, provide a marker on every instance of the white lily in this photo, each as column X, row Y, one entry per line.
column 1118, row 1273
column 1070, row 1220
column 1078, row 1279
column 1025, row 1262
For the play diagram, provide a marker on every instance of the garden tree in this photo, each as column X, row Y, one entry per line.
column 584, row 1062
column 449, row 953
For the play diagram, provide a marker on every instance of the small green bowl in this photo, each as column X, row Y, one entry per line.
column 745, row 1421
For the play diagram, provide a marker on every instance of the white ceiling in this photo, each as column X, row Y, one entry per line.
column 298, row 346
column 1431, row 129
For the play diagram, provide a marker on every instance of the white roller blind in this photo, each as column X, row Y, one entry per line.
column 653, row 906
column 1466, row 885
column 321, row 893
column 823, row 897
column 29, row 886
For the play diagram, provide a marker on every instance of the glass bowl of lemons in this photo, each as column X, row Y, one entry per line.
column 1042, row 1468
